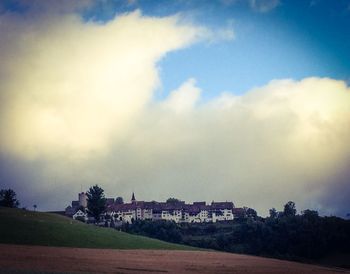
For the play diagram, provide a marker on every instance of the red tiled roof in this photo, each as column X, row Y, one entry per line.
column 222, row 205
column 194, row 208
column 109, row 201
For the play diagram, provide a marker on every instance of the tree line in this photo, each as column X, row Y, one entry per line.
column 284, row 235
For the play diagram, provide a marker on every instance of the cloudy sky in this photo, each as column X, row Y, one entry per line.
column 240, row 100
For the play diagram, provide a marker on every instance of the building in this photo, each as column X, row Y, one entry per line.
column 178, row 211
column 78, row 208
column 80, row 214
column 82, row 199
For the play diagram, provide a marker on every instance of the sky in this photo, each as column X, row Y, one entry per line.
column 239, row 100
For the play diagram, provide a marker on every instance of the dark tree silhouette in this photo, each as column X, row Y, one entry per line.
column 251, row 213
column 119, row 201
column 284, row 235
column 172, row 201
column 273, row 213
column 289, row 209
column 8, row 198
column 311, row 215
column 96, row 201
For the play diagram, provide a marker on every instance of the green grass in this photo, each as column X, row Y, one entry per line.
column 19, row 226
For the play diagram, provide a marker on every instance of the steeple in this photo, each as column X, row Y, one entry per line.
column 133, row 200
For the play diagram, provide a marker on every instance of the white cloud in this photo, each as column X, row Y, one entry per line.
column 273, row 144
column 77, row 98
column 283, row 141
column 70, row 85
column 184, row 98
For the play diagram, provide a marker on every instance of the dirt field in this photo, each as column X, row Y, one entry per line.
column 21, row 259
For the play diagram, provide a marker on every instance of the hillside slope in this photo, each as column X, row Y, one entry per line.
column 19, row 226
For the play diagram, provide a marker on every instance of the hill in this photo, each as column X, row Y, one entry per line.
column 38, row 242
column 24, row 227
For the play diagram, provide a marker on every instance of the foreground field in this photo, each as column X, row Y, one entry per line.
column 19, row 226
column 38, row 259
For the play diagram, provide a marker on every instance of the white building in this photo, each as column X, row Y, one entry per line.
column 81, row 214
column 178, row 212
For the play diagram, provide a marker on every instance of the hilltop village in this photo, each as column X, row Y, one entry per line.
column 177, row 211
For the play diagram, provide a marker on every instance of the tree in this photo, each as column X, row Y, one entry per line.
column 8, row 198
column 273, row 213
column 251, row 213
column 119, row 201
column 173, row 201
column 311, row 215
column 289, row 209
column 96, row 201
column 35, row 206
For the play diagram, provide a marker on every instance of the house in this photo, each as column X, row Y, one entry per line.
column 80, row 213
column 179, row 211
column 77, row 208
column 176, row 211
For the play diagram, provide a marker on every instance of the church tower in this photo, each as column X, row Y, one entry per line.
column 133, row 200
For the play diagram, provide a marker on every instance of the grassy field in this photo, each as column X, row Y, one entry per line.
column 19, row 226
